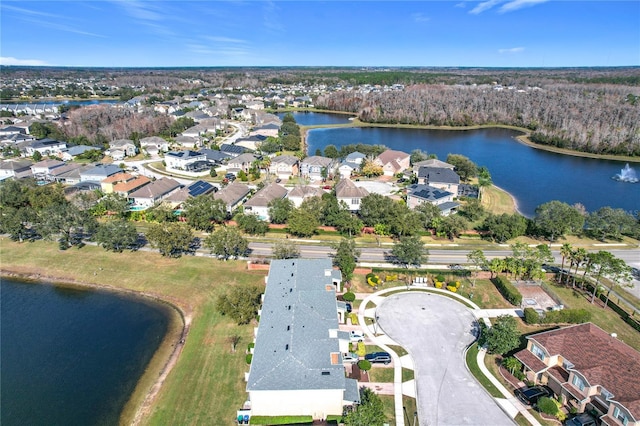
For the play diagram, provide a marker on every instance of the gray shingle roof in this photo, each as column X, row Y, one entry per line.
column 267, row 194
column 347, row 189
column 293, row 346
column 438, row 175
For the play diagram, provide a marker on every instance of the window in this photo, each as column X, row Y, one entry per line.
column 578, row 382
column 618, row 414
column 537, row 352
column 355, row 201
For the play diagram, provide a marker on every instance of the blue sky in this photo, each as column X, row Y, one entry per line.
column 148, row 33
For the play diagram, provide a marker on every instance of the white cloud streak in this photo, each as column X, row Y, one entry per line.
column 420, row 17
column 511, row 50
column 8, row 60
column 519, row 4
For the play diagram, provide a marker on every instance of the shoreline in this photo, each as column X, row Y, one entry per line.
column 523, row 138
column 165, row 357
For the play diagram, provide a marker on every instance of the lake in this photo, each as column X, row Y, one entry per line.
column 72, row 356
column 532, row 176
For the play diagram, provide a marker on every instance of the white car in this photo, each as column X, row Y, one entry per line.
column 356, row 336
column 350, row 357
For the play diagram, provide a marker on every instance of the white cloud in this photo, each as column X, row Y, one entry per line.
column 511, row 50
column 8, row 60
column 420, row 17
column 29, row 11
column 519, row 4
column 485, row 5
column 219, row 39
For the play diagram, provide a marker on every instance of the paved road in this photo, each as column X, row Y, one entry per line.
column 435, row 330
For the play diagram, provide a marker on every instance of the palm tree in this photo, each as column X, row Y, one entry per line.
column 565, row 251
column 511, row 364
column 579, row 258
column 484, row 180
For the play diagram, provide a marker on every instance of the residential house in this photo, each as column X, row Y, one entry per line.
column 348, row 192
column 259, row 203
column 233, row 150
column 590, row 369
column 128, row 187
column 241, row 162
column 42, row 169
column 107, row 184
column 152, row 193
column 45, row 147
column 187, row 142
column 439, row 177
column 154, row 144
column 316, row 167
column 284, row 166
column 302, row 192
column 180, row 160
column 69, row 174
column 419, row 193
column 297, row 369
column 266, row 130
column 351, row 163
column 15, row 169
column 121, row 148
column 99, row 172
column 73, row 151
column 432, row 162
column 11, row 130
column 393, row 162
column 197, row 188
column 214, row 156
column 233, row 195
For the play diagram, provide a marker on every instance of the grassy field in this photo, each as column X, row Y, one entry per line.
column 498, row 201
column 206, row 386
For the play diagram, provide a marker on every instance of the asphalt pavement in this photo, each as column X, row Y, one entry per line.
column 436, row 331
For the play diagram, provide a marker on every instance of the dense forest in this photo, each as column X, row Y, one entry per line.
column 602, row 119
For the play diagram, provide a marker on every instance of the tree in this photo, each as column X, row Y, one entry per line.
column 280, row 209
column 347, row 224
column 240, row 303
column 370, row 412
column 607, row 222
column 227, row 242
column 203, row 211
column 302, row 223
column 170, row 238
column 472, row 210
column 451, row 226
column 371, row 169
column 565, row 252
column 418, row 155
column 112, row 204
column 406, row 222
column 430, row 214
column 36, row 156
column 66, row 222
column 346, row 257
column 484, row 180
column 464, row 167
column 117, row 235
column 501, row 228
column 331, row 151
column 376, row 208
column 600, row 262
column 619, row 274
column 555, row 218
column 250, row 224
column 511, row 363
column 284, row 249
column 409, row 251
column 502, row 337
column 477, row 258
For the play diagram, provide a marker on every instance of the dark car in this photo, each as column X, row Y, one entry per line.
column 531, row 395
column 378, row 357
column 230, row 176
column 349, row 307
column 584, row 419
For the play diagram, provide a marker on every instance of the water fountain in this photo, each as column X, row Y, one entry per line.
column 627, row 174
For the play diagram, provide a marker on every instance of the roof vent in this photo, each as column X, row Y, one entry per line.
column 614, row 335
column 288, row 327
column 326, row 373
column 286, row 347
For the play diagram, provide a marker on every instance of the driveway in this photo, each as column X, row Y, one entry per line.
column 435, row 330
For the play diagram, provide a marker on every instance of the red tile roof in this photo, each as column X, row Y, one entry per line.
column 531, row 361
column 600, row 358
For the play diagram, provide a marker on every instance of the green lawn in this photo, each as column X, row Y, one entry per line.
column 472, row 363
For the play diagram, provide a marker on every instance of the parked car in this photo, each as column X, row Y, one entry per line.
column 349, row 307
column 356, row 336
column 378, row 357
column 350, row 357
column 584, row 419
column 531, row 395
column 230, row 177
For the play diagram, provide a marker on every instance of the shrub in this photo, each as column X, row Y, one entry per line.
column 354, row 318
column 547, row 406
column 531, row 316
column 440, row 278
column 248, row 358
column 457, row 284
column 508, row 290
column 251, row 346
column 361, row 350
column 567, row 316
column 364, row 365
column 439, row 284
column 452, row 288
column 349, row 297
column 392, row 277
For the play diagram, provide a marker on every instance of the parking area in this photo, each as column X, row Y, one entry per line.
column 435, row 330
